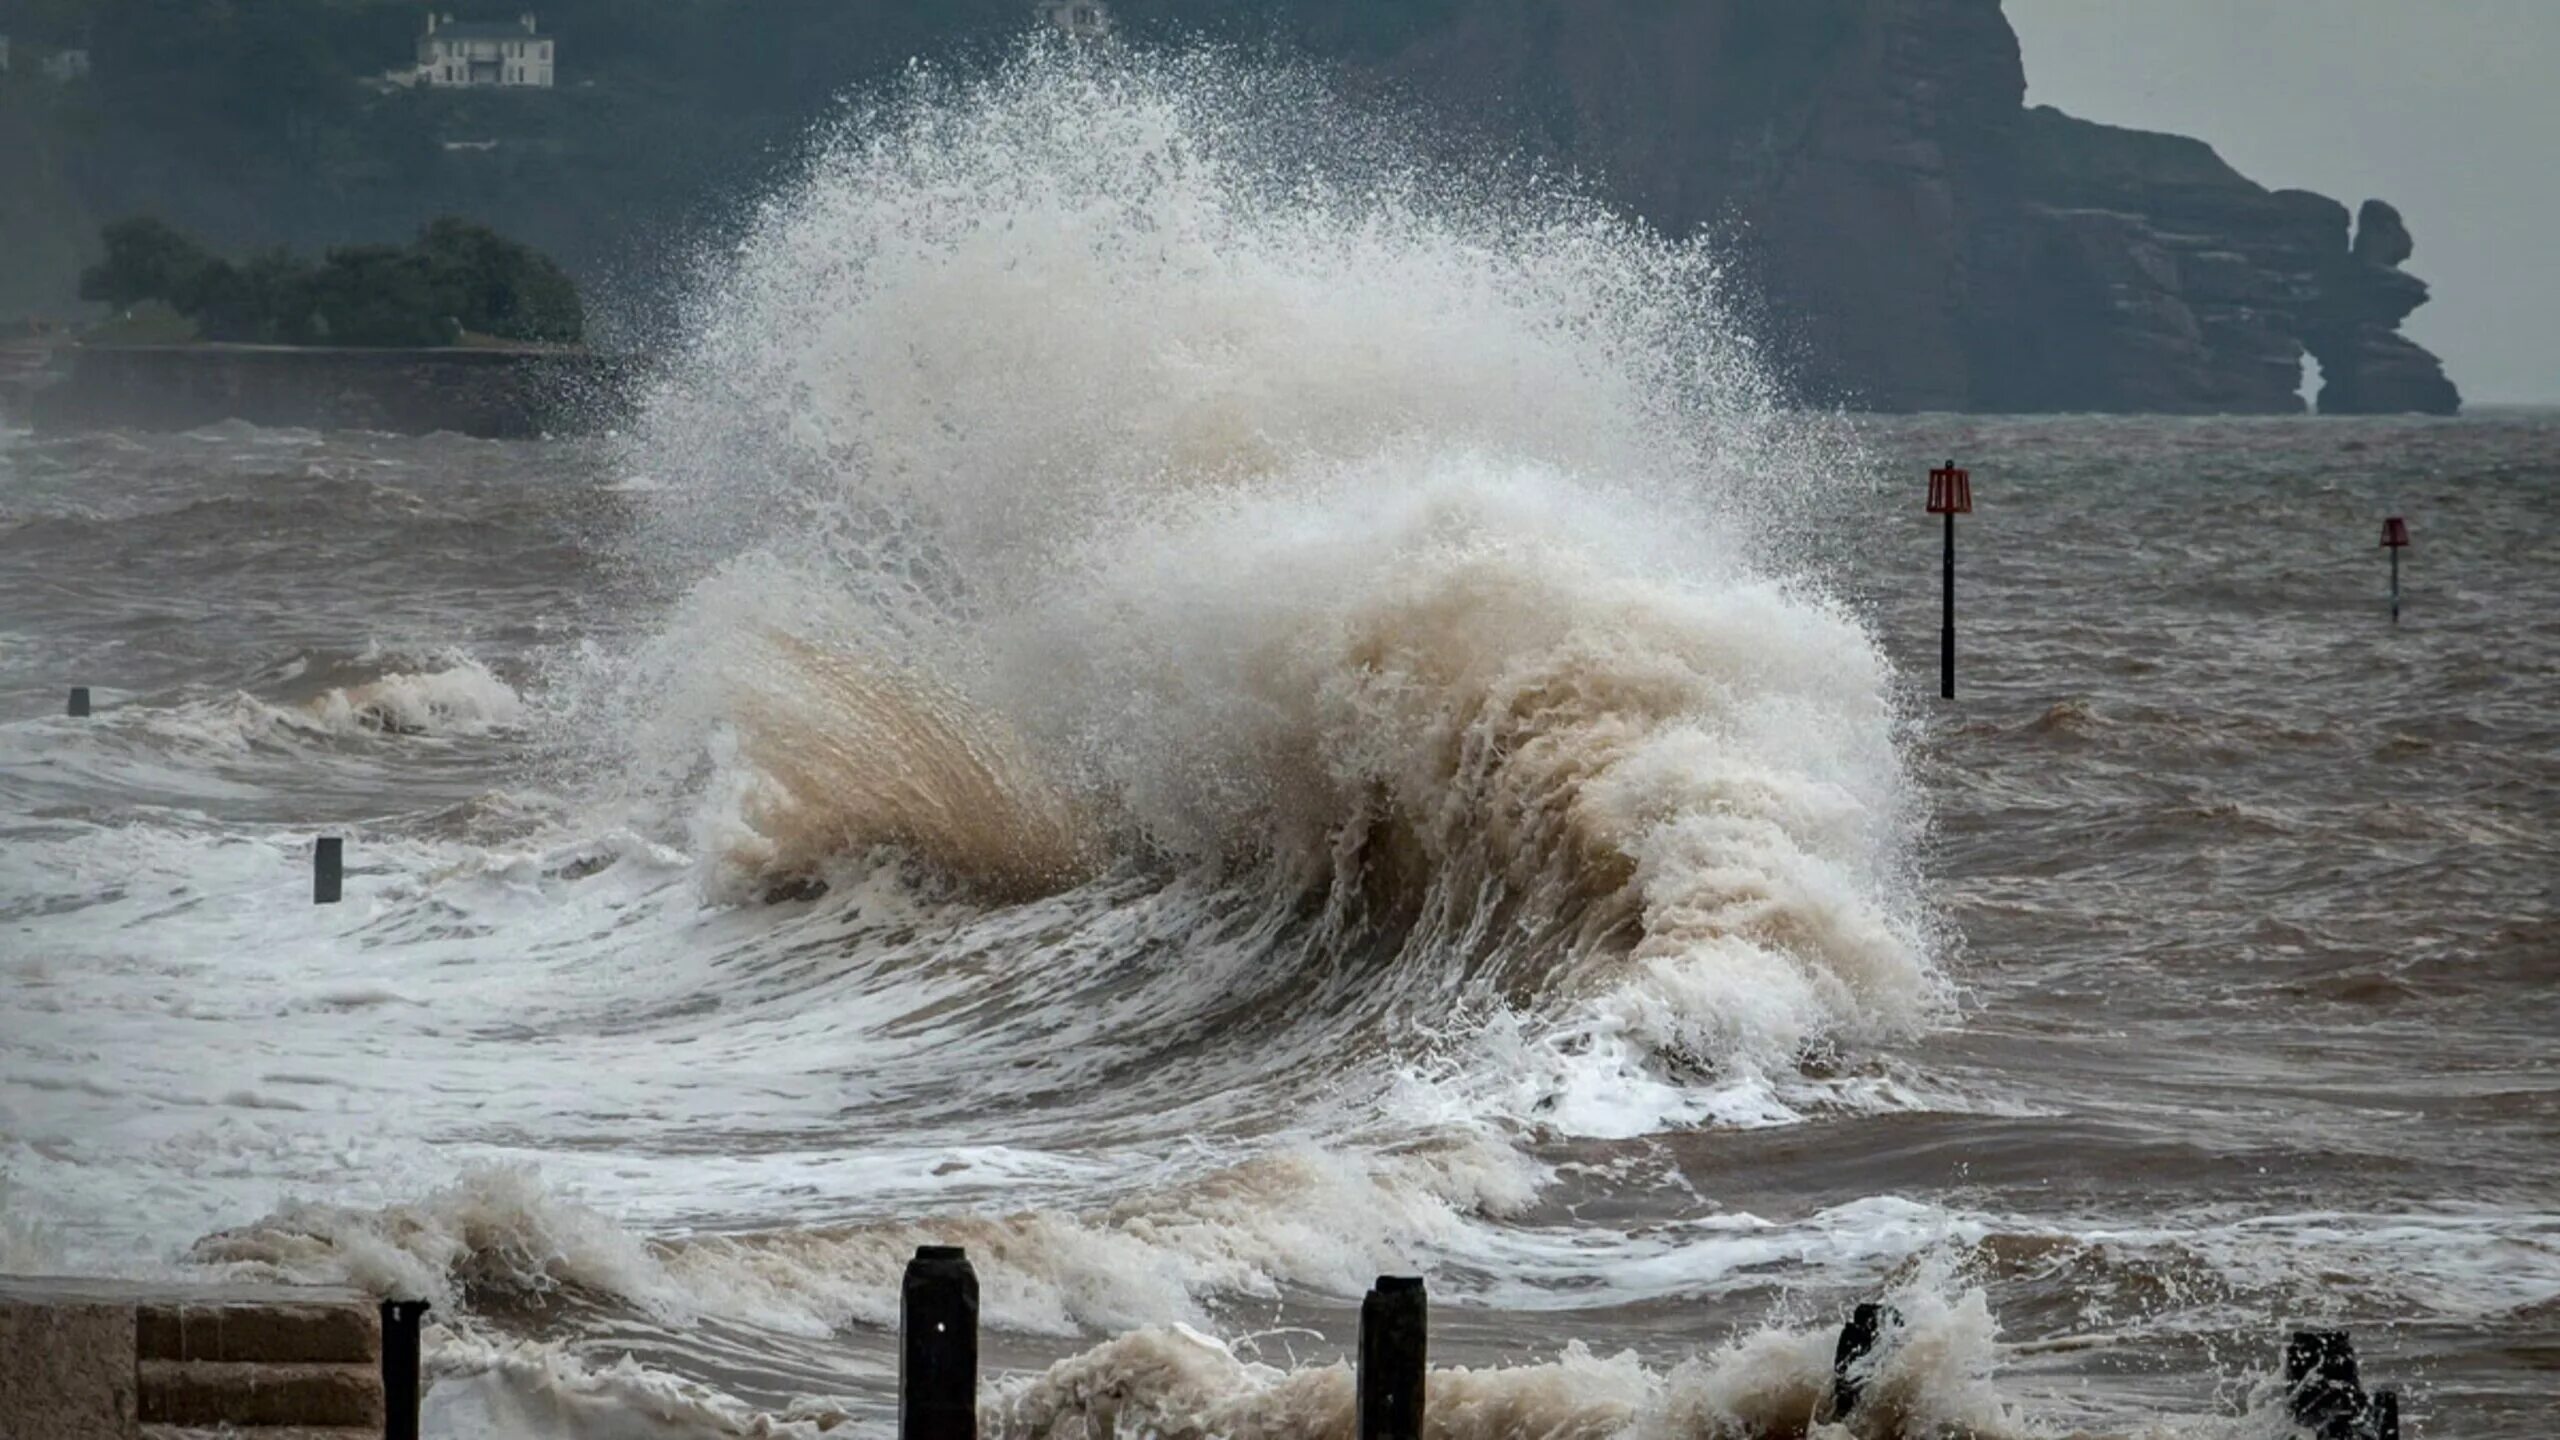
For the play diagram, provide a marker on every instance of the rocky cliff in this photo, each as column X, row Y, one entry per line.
column 1923, row 240
column 1918, row 238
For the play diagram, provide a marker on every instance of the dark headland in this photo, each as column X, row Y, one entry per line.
column 1919, row 238
column 1924, row 239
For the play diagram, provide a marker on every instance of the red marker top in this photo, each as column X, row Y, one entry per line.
column 2395, row 533
column 1950, row 491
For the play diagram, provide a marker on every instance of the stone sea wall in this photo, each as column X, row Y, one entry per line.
column 85, row 1359
column 502, row 394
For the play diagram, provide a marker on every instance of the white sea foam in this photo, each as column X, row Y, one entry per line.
column 461, row 699
column 1931, row 1379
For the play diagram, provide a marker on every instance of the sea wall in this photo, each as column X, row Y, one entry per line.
column 117, row 1360
column 502, row 394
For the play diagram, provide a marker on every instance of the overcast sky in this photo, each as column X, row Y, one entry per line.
column 2446, row 108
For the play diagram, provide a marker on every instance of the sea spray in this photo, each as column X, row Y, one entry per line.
column 1313, row 634
column 1145, row 462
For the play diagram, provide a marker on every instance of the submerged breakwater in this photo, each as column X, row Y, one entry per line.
column 1171, row 694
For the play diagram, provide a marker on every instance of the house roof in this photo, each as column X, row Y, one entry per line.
column 484, row 30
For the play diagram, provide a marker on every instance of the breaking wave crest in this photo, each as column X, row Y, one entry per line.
column 499, row 1246
column 500, row 1242
column 1118, row 466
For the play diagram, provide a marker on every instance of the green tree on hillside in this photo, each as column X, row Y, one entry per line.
column 457, row 277
column 379, row 295
column 266, row 300
column 493, row 286
column 145, row 260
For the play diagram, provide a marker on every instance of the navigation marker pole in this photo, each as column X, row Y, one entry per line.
column 2395, row 538
column 1950, row 494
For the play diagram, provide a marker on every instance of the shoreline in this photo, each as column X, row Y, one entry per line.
column 484, row 392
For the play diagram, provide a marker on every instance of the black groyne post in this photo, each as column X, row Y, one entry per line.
column 79, row 706
column 400, row 1324
column 1858, row 1340
column 328, row 870
column 2382, row 1419
column 1395, row 1324
column 938, row 1346
column 2320, row 1377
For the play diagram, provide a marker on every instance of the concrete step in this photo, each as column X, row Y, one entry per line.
column 211, row 1393
column 264, row 1331
column 257, row 1432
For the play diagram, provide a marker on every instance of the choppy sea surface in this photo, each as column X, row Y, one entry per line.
column 1210, row 714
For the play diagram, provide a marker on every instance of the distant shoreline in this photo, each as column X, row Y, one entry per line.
column 492, row 392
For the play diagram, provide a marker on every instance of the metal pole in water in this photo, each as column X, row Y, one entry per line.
column 328, row 870
column 938, row 1346
column 1395, row 1326
column 2395, row 538
column 1947, row 627
column 400, row 1324
column 79, row 701
column 1950, row 494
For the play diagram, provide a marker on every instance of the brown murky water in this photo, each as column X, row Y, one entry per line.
column 2245, row 894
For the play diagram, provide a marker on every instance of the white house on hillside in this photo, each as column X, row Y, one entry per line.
column 1082, row 19
column 484, row 53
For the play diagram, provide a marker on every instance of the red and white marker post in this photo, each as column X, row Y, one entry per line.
column 2395, row 538
column 1951, row 495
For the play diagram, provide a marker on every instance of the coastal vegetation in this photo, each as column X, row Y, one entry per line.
column 457, row 280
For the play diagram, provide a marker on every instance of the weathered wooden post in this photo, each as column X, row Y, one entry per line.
column 2320, row 1376
column 400, row 1324
column 1395, row 1324
column 79, row 702
column 938, row 1346
column 2384, row 1416
column 1950, row 494
column 1858, row 1340
column 328, row 870
column 2395, row 538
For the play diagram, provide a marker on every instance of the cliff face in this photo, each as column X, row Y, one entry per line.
column 1924, row 240
column 1918, row 237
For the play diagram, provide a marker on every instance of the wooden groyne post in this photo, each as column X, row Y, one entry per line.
column 1395, row 1340
column 328, row 870
column 938, row 1346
